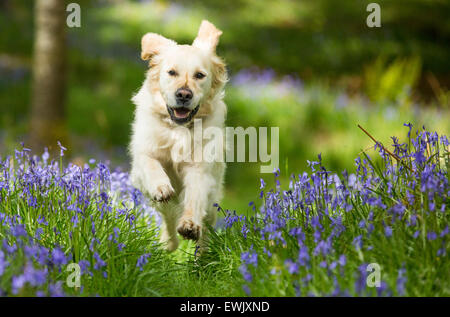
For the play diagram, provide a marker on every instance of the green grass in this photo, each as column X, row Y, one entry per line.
column 40, row 196
column 105, row 70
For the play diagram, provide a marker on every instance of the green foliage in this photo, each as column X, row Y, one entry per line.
column 392, row 83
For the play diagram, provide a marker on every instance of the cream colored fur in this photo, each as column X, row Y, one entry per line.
column 183, row 192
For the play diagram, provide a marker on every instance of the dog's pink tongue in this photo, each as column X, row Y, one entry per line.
column 182, row 112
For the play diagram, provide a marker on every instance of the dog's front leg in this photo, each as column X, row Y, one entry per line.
column 198, row 184
column 151, row 177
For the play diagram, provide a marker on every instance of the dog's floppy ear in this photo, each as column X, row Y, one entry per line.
column 207, row 37
column 152, row 44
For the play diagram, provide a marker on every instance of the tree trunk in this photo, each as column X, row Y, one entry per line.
column 49, row 75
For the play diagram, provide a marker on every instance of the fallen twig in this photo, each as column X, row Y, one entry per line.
column 399, row 160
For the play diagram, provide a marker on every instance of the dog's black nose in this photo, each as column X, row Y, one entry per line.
column 183, row 95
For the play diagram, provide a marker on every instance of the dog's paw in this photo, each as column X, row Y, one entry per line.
column 162, row 193
column 169, row 245
column 189, row 229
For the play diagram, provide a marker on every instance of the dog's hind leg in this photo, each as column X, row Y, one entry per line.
column 170, row 213
column 209, row 222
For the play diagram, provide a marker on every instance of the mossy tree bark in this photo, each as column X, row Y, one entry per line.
column 49, row 75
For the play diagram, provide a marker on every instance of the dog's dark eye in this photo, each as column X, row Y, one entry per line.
column 199, row 75
column 172, row 72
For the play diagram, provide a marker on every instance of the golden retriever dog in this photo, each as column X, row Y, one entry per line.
column 184, row 84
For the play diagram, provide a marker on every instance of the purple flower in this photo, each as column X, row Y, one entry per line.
column 33, row 276
column 31, row 251
column 99, row 263
column 230, row 219
column 58, row 257
column 143, row 259
column 84, row 266
column 18, row 230
column 263, row 184
column 245, row 273
column 383, row 287
column 409, row 125
column 323, row 247
column 342, row 260
column 444, row 232
column 62, row 149
column 333, row 265
column 360, row 284
column 246, row 289
column 3, row 263
column 42, row 255
column 419, row 157
column 362, row 224
column 291, row 266
column 303, row 255
column 388, row 231
column 357, row 242
column 17, row 283
column 413, row 220
column 55, row 290
column 431, row 236
column 244, row 230
column 401, row 281
column 267, row 251
column 370, row 228
column 249, row 258
column 93, row 242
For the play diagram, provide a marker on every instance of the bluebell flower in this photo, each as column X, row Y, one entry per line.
column 444, row 232
column 33, row 276
column 62, row 149
column 360, row 284
column 262, row 184
column 388, row 231
column 291, row 266
column 3, row 263
column 333, row 265
column 362, row 224
column 357, row 242
column 303, row 255
column 58, row 257
column 401, row 281
column 250, row 258
column 143, row 259
column 18, row 230
column 84, row 266
column 342, row 260
column 38, row 233
column 18, row 282
column 245, row 273
column 99, row 263
column 431, row 236
column 56, row 290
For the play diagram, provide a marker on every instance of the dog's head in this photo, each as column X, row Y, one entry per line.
column 186, row 77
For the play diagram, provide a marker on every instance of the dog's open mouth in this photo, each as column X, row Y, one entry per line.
column 182, row 114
